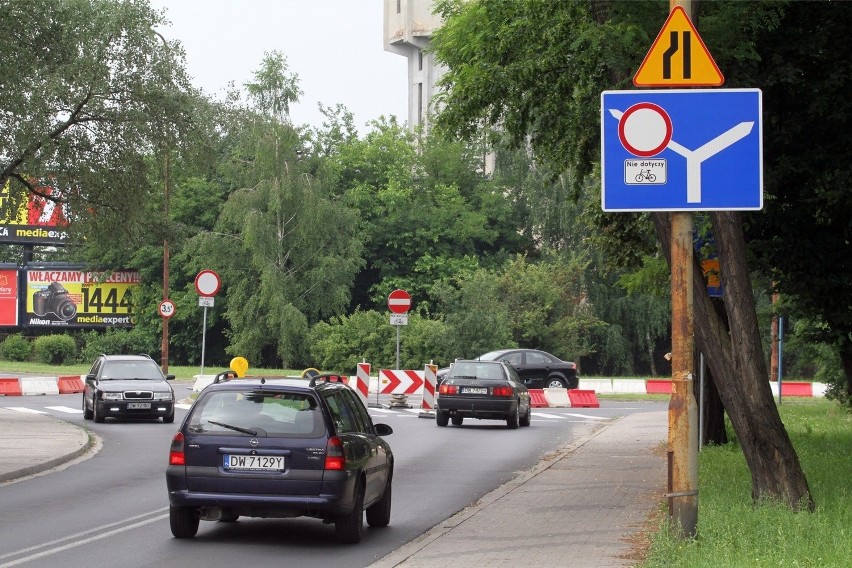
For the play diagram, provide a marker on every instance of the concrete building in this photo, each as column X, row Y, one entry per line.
column 408, row 27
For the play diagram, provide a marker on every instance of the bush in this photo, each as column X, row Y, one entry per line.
column 15, row 348
column 55, row 349
column 118, row 342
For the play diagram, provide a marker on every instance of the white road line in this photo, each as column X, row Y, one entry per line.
column 78, row 541
column 183, row 406
column 546, row 415
column 66, row 409
column 587, row 416
column 23, row 409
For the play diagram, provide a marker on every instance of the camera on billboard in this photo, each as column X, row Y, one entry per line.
column 54, row 299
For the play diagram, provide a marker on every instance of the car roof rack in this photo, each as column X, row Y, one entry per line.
column 224, row 376
column 329, row 378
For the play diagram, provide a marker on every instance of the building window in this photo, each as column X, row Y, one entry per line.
column 420, row 60
column 419, row 103
column 398, row 6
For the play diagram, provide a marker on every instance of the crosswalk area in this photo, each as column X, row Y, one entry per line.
column 375, row 413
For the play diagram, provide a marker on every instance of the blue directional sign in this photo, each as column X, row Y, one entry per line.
column 682, row 150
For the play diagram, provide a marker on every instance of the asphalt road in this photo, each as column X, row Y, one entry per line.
column 112, row 509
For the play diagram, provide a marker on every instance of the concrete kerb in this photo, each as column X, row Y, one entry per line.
column 61, row 443
column 411, row 548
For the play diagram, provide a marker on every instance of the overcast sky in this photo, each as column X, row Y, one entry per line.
column 334, row 46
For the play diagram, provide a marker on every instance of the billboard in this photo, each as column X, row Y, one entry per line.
column 8, row 296
column 31, row 219
column 65, row 297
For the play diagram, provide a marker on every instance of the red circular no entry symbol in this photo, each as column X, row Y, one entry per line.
column 207, row 283
column 645, row 129
column 399, row 301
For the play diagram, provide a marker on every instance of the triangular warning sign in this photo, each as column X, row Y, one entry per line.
column 678, row 57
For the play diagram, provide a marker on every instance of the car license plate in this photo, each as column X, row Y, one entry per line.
column 474, row 390
column 139, row 405
column 254, row 463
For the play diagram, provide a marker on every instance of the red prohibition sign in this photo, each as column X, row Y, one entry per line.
column 645, row 130
column 399, row 301
column 207, row 283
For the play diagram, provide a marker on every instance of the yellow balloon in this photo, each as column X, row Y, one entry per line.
column 240, row 365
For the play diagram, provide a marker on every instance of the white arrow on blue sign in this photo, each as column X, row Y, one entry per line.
column 682, row 150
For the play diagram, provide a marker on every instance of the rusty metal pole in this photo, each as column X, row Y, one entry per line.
column 683, row 410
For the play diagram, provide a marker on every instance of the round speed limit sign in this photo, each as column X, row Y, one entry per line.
column 167, row 308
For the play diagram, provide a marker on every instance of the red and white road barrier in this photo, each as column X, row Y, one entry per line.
column 362, row 381
column 400, row 381
column 430, row 379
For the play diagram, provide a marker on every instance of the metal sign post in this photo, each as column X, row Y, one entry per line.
column 207, row 284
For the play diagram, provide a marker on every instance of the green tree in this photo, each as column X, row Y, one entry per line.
column 89, row 90
column 536, row 69
column 281, row 245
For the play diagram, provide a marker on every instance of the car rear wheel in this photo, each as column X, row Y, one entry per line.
column 97, row 416
column 349, row 527
column 457, row 420
column 555, row 383
column 442, row 418
column 513, row 421
column 378, row 514
column 87, row 414
column 183, row 521
column 526, row 419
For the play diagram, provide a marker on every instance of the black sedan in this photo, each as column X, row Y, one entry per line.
column 485, row 390
column 537, row 369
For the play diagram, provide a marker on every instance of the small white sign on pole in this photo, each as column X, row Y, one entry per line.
column 399, row 319
column 206, row 301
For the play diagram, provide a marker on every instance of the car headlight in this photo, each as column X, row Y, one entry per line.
column 162, row 396
column 113, row 396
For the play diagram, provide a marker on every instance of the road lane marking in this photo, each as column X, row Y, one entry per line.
column 24, row 410
column 66, row 409
column 82, row 538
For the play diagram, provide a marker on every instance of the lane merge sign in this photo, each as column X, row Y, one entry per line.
column 682, row 150
column 678, row 57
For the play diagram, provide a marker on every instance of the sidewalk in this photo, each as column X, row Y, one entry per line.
column 31, row 443
column 579, row 506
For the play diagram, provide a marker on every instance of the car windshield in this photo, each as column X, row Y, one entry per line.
column 275, row 414
column 123, row 370
column 491, row 356
column 474, row 370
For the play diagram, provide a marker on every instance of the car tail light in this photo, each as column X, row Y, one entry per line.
column 448, row 389
column 502, row 391
column 572, row 365
column 176, row 455
column 334, row 458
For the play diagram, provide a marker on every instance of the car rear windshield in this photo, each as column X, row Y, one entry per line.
column 475, row 370
column 274, row 414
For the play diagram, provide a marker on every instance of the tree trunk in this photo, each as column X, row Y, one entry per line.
column 738, row 368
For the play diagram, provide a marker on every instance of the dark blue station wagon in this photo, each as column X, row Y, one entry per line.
column 279, row 448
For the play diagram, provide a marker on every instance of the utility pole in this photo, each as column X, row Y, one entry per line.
column 683, row 410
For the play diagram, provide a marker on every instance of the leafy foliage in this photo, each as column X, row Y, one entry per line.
column 15, row 348
column 54, row 349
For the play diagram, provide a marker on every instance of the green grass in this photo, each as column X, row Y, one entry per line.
column 181, row 373
column 734, row 532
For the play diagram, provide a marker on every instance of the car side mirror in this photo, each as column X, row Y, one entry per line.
column 383, row 429
column 170, row 377
column 91, row 377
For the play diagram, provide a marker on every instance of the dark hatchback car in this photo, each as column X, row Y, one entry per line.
column 485, row 390
column 127, row 386
column 537, row 369
column 280, row 448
